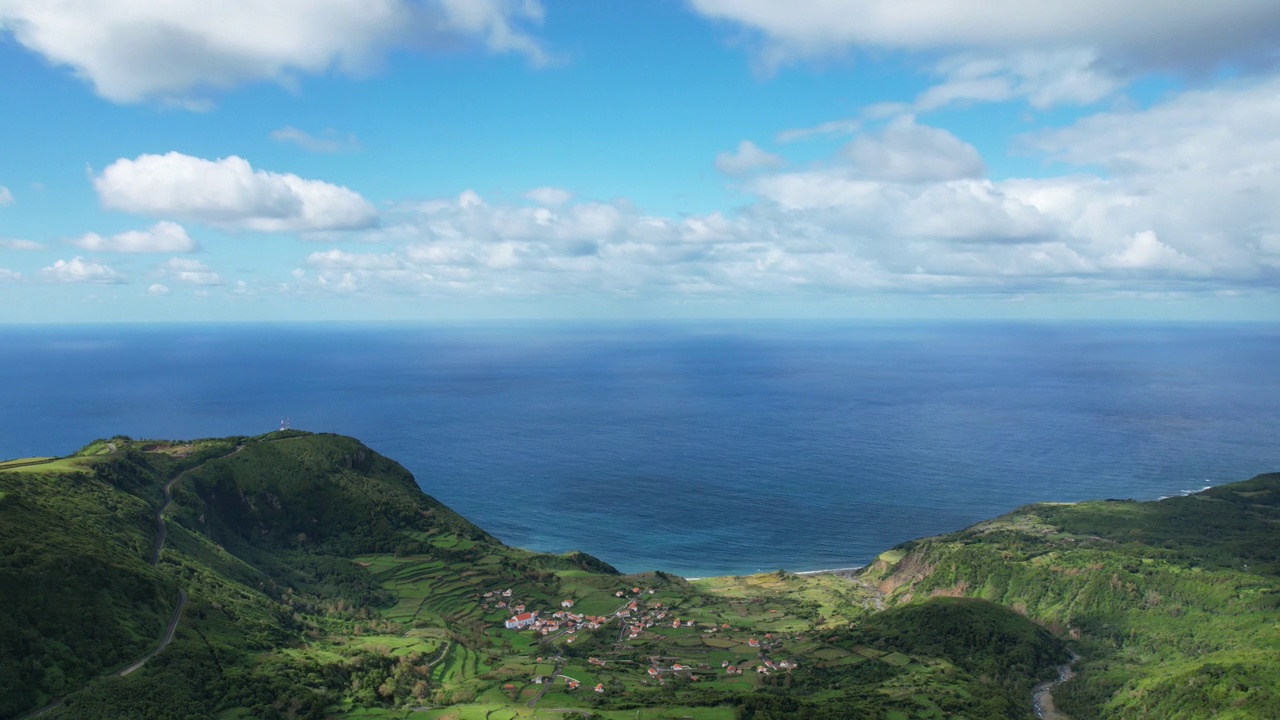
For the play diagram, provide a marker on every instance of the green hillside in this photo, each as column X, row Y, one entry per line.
column 309, row 577
column 1173, row 603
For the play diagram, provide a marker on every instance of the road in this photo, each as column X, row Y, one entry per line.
column 548, row 683
column 161, row 530
column 164, row 641
column 162, row 533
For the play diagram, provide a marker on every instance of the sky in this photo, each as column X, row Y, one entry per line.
column 391, row 160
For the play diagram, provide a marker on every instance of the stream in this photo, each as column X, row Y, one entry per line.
column 1042, row 694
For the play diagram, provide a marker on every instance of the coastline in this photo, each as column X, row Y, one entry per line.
column 842, row 571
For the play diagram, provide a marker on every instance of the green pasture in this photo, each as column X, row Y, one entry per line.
column 47, row 465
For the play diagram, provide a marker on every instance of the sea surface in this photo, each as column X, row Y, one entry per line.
column 698, row 449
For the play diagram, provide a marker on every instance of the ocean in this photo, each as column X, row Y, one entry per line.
column 693, row 448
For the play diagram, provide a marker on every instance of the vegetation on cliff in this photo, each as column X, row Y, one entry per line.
column 1172, row 603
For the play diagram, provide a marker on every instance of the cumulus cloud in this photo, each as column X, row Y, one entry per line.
column 329, row 141
column 79, row 270
column 746, row 159
column 190, row 271
column 136, row 50
column 163, row 237
column 7, row 275
column 1148, row 34
column 158, row 289
column 20, row 245
column 1198, row 172
column 6, row 197
column 549, row 196
column 908, row 152
column 1143, row 251
column 229, row 193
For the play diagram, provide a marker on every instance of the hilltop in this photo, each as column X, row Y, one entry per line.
column 304, row 575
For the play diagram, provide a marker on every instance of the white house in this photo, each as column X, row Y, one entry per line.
column 521, row 621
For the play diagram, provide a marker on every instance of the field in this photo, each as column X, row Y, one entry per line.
column 450, row 615
column 46, row 465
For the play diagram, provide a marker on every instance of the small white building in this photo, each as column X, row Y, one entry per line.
column 521, row 621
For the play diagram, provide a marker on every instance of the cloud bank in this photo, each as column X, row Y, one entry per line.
column 1183, row 207
column 1146, row 34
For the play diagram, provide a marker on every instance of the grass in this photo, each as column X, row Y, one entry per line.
column 24, row 461
column 47, row 465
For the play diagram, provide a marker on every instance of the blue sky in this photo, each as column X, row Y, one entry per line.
column 465, row 159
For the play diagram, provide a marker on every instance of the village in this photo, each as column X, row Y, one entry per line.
column 636, row 614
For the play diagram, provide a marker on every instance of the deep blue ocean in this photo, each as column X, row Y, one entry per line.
column 699, row 449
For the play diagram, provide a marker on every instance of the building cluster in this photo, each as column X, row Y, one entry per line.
column 636, row 618
column 635, row 615
column 563, row 621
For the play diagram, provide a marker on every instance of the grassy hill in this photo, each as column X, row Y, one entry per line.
column 1173, row 603
column 321, row 582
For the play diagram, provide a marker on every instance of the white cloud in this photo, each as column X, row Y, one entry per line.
column 1144, row 251
column 158, row 289
column 135, row 50
column 833, row 128
column 329, row 141
column 190, row 271
column 746, row 159
column 334, row 259
column 965, row 211
column 229, row 193
column 549, row 196
column 79, row 270
column 1199, row 172
column 1180, row 36
column 908, row 152
column 1183, row 204
column 6, row 197
column 163, row 237
column 20, row 245
column 9, row 275
column 1226, row 129
column 1043, row 79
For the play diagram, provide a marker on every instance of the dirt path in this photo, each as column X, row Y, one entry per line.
column 443, row 651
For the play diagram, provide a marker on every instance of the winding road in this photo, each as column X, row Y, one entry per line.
column 161, row 534
column 161, row 530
